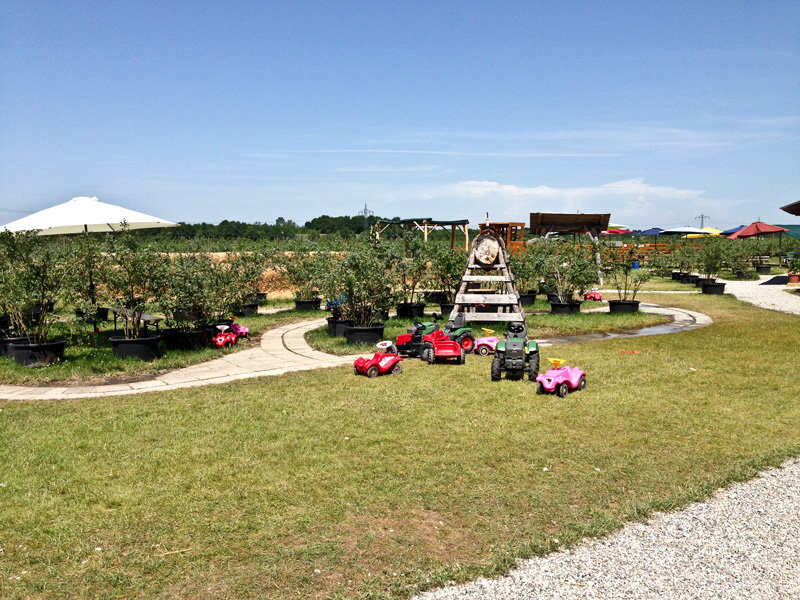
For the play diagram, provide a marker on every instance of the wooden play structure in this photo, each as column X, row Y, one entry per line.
column 487, row 291
column 512, row 234
column 426, row 226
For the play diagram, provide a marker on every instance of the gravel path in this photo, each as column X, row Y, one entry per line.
column 742, row 543
column 769, row 292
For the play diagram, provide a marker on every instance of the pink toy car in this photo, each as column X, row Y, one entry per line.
column 486, row 345
column 240, row 330
column 593, row 295
column 561, row 379
column 379, row 363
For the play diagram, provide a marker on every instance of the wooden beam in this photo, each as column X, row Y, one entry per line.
column 487, row 278
column 493, row 317
column 486, row 299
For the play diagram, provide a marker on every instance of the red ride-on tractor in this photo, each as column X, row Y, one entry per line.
column 411, row 343
column 379, row 363
column 437, row 345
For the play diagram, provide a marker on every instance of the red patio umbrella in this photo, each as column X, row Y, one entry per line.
column 754, row 229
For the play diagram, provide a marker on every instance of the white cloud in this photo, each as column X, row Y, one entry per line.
column 631, row 202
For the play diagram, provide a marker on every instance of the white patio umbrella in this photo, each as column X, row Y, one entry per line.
column 85, row 215
column 683, row 231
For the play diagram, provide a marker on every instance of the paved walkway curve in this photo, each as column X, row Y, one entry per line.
column 282, row 350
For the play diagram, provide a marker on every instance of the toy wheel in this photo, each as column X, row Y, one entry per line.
column 581, row 383
column 562, row 390
column 466, row 341
column 397, row 369
column 540, row 388
column 372, row 372
column 483, row 350
column 497, row 367
column 463, row 358
column 356, row 371
column 431, row 356
column 533, row 366
column 228, row 344
column 384, row 344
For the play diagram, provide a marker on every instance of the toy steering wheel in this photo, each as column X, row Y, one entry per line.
column 384, row 344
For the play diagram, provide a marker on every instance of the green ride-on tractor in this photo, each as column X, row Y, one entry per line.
column 516, row 354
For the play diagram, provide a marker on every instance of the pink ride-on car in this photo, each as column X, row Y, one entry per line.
column 561, row 379
column 487, row 344
column 379, row 363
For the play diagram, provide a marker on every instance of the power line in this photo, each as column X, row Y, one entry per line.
column 366, row 213
column 702, row 218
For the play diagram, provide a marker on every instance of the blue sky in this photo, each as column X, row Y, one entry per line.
column 657, row 112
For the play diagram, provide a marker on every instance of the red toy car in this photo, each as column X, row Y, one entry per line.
column 561, row 379
column 438, row 345
column 593, row 295
column 379, row 363
column 225, row 338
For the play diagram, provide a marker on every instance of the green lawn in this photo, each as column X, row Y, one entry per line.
column 325, row 485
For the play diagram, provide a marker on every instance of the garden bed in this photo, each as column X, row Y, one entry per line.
column 86, row 363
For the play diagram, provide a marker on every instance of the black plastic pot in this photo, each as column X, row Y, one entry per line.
column 690, row 279
column 5, row 344
column 623, row 306
column 101, row 314
column 143, row 348
column 763, row 270
column 176, row 339
column 701, row 280
column 714, row 288
column 312, row 304
column 436, row 297
column 447, row 308
column 364, row 335
column 551, row 297
column 251, row 308
column 565, row 308
column 336, row 326
column 410, row 310
column 527, row 299
column 38, row 355
column 261, row 298
column 676, row 275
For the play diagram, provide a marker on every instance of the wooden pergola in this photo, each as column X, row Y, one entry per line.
column 426, row 226
column 544, row 224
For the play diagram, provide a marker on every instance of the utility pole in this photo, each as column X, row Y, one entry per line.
column 366, row 213
column 702, row 218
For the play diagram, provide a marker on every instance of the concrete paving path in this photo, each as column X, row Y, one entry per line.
column 282, row 350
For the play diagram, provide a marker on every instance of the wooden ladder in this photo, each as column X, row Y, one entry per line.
column 503, row 299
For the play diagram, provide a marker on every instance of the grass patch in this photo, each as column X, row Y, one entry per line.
column 323, row 485
column 89, row 360
column 541, row 325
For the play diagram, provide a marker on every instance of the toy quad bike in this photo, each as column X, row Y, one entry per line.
column 380, row 363
column 516, row 354
column 438, row 345
column 594, row 294
column 561, row 379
